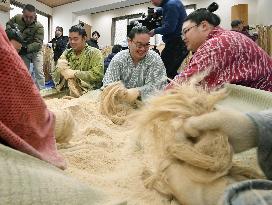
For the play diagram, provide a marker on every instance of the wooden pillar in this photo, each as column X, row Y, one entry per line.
column 240, row 12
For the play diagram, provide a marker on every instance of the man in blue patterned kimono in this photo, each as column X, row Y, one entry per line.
column 141, row 70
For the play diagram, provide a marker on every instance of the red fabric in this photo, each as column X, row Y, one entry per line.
column 25, row 122
column 230, row 57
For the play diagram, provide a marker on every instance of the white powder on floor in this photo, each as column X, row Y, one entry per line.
column 105, row 155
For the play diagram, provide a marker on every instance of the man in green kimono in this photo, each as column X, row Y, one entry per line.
column 79, row 67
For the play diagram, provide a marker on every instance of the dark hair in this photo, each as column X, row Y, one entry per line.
column 14, row 33
column 137, row 30
column 59, row 28
column 205, row 14
column 235, row 23
column 96, row 32
column 78, row 28
column 30, row 8
column 116, row 48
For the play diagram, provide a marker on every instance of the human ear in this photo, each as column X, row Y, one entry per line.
column 204, row 26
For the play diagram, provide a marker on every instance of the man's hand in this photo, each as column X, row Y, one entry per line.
column 151, row 33
column 240, row 129
column 68, row 73
column 63, row 64
column 132, row 94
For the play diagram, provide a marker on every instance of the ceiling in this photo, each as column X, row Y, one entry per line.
column 54, row 3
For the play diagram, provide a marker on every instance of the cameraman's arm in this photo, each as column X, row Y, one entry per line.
column 263, row 122
column 170, row 21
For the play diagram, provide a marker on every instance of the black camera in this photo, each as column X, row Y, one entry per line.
column 14, row 33
column 151, row 21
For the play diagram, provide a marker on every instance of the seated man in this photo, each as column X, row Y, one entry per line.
column 81, row 64
column 238, row 26
column 141, row 70
column 115, row 49
column 228, row 56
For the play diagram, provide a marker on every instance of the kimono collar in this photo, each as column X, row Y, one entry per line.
column 216, row 31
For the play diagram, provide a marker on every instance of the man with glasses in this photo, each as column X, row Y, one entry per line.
column 225, row 56
column 141, row 70
column 33, row 34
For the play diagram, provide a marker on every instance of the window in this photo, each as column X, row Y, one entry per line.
column 119, row 28
column 120, row 31
column 43, row 19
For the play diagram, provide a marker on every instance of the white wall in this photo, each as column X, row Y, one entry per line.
column 224, row 11
column 4, row 17
column 69, row 14
column 264, row 12
column 102, row 21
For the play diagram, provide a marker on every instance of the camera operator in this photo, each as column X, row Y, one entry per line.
column 173, row 15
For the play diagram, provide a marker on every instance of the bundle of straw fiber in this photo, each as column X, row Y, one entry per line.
column 106, row 51
column 193, row 170
column 114, row 104
column 64, row 125
column 48, row 62
column 74, row 88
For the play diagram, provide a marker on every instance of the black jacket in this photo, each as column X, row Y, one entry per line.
column 59, row 45
column 92, row 42
column 107, row 61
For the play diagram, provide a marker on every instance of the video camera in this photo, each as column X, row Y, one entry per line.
column 14, row 33
column 151, row 21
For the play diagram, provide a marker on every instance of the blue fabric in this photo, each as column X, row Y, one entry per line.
column 174, row 14
column 263, row 122
column 49, row 84
column 107, row 61
column 250, row 192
